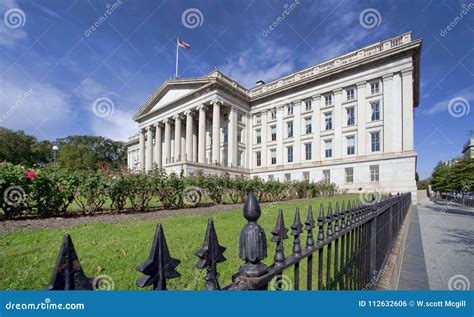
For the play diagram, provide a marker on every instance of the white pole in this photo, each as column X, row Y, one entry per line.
column 176, row 74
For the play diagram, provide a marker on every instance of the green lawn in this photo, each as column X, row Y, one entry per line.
column 27, row 258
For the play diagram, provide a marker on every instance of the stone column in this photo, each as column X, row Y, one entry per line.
column 189, row 135
column 142, row 150
column 149, row 149
column 387, row 112
column 397, row 113
column 297, row 132
column 232, row 138
column 263, row 133
column 157, row 155
column 407, row 109
column 177, row 138
column 202, row 135
column 337, row 124
column 167, row 142
column 317, row 127
column 361, row 118
column 281, row 153
column 216, row 125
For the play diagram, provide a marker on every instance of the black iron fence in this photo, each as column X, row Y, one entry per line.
column 345, row 248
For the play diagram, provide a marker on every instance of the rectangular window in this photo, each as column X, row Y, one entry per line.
column 350, row 145
column 307, row 104
column 258, row 134
column 349, row 175
column 259, row 158
column 350, row 116
column 374, row 173
column 328, row 120
column 328, row 148
column 374, row 88
column 350, row 94
column 239, row 135
column 375, row 141
column 375, row 107
column 273, row 155
column 287, row 177
column 328, row 100
column 289, row 125
column 258, row 118
column 308, row 128
column 290, row 109
column 270, row 177
column 290, row 154
column 273, row 114
column 326, row 176
column 306, row 176
column 240, row 117
column 226, row 135
column 273, row 129
column 307, row 150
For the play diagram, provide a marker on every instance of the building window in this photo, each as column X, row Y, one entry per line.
column 308, row 126
column 328, row 100
column 226, row 135
column 374, row 173
column 306, row 176
column 375, row 141
column 240, row 117
column 374, row 88
column 287, row 177
column 375, row 107
column 328, row 148
column 290, row 154
column 349, row 175
column 273, row 156
column 273, row 114
column 307, row 103
column 270, row 177
column 258, row 134
column 259, row 158
column 307, row 150
column 289, row 125
column 326, row 176
column 350, row 94
column 239, row 135
column 258, row 118
column 350, row 116
column 239, row 158
column 328, row 120
column 289, row 109
column 350, row 145
column 273, row 130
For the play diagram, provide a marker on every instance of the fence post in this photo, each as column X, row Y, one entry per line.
column 373, row 245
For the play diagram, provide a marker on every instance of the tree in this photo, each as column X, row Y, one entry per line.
column 75, row 157
column 456, row 177
column 19, row 148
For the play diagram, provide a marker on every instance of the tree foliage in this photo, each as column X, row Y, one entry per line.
column 456, row 177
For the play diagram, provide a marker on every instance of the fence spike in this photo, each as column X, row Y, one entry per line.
column 321, row 224
column 296, row 229
column 343, row 216
column 68, row 273
column 209, row 255
column 279, row 233
column 336, row 219
column 253, row 243
column 309, row 226
column 160, row 265
column 329, row 220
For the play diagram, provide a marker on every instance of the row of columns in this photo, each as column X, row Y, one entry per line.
column 154, row 152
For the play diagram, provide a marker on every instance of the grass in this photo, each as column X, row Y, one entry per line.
column 27, row 258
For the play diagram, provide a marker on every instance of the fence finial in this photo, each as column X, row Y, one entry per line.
column 296, row 229
column 329, row 218
column 336, row 219
column 309, row 226
column 253, row 243
column 343, row 216
column 68, row 274
column 321, row 224
column 279, row 233
column 160, row 265
column 209, row 255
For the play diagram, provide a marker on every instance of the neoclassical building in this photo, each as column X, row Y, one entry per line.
column 348, row 121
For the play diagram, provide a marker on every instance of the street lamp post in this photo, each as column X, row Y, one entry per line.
column 55, row 151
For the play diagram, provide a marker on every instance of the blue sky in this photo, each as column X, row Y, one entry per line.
column 53, row 67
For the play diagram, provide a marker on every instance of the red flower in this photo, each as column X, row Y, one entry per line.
column 31, row 175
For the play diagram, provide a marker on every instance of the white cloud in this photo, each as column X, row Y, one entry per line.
column 117, row 126
column 442, row 105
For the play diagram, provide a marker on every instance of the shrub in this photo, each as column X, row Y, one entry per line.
column 141, row 188
column 91, row 191
column 13, row 189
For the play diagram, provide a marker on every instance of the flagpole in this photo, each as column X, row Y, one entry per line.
column 176, row 74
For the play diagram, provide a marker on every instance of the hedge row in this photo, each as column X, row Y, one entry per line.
column 47, row 192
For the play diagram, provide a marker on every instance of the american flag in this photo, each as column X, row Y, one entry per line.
column 183, row 44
